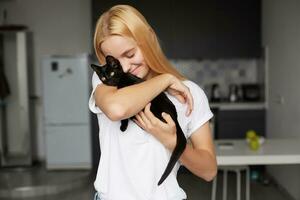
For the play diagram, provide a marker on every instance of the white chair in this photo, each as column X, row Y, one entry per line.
column 237, row 170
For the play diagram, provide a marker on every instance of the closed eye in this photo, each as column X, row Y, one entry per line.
column 130, row 55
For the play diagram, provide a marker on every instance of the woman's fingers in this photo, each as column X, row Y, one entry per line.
column 146, row 121
column 139, row 120
column 190, row 103
column 149, row 114
column 138, row 123
column 180, row 98
column 188, row 99
column 168, row 119
column 182, row 93
column 163, row 131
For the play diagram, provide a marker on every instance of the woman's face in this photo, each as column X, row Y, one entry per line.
column 128, row 53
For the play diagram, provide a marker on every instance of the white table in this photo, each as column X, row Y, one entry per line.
column 239, row 156
column 272, row 152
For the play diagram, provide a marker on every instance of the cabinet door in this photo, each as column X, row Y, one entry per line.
column 235, row 123
column 216, row 29
column 238, row 28
column 194, row 28
column 159, row 16
column 65, row 90
column 68, row 147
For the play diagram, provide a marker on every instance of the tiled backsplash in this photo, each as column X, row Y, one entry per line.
column 223, row 72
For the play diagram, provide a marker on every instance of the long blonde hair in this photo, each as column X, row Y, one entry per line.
column 125, row 20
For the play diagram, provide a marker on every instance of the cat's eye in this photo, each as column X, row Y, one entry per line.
column 112, row 73
column 103, row 79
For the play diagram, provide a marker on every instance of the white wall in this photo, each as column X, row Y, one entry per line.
column 281, row 33
column 58, row 27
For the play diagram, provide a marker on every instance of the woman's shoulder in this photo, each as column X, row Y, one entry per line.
column 192, row 85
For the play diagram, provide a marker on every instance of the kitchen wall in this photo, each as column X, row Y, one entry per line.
column 61, row 27
column 221, row 71
column 281, row 33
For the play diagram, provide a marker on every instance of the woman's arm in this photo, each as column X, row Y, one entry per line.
column 199, row 156
column 123, row 103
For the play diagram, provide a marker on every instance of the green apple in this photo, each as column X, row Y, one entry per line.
column 254, row 144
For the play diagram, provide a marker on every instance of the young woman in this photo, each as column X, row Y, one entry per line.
column 133, row 161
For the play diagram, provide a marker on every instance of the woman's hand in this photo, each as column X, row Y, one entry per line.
column 182, row 93
column 165, row 132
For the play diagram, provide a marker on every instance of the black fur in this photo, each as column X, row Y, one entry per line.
column 112, row 74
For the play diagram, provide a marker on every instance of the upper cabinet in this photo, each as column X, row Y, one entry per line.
column 194, row 29
column 203, row 29
column 238, row 28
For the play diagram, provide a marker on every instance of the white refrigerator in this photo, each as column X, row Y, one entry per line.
column 67, row 126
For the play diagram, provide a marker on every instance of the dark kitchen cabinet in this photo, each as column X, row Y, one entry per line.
column 214, row 29
column 194, row 29
column 208, row 29
column 238, row 28
column 231, row 124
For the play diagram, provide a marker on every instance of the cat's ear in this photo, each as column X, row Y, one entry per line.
column 96, row 68
column 111, row 61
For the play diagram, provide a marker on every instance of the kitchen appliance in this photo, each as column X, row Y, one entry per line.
column 233, row 93
column 215, row 93
column 66, row 115
column 251, row 92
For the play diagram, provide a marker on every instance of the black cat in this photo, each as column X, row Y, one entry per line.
column 112, row 74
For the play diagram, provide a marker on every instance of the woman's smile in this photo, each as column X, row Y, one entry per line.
column 135, row 70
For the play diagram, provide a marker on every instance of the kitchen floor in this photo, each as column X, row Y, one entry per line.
column 195, row 188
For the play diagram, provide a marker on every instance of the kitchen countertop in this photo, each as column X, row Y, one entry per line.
column 238, row 105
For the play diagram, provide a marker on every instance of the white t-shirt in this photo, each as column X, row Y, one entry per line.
column 133, row 161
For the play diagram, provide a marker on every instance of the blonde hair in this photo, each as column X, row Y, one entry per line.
column 125, row 20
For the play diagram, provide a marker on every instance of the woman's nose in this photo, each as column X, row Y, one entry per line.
column 125, row 66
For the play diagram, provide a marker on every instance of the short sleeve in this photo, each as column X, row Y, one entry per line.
column 92, row 102
column 201, row 112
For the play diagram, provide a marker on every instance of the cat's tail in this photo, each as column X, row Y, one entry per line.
column 179, row 148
